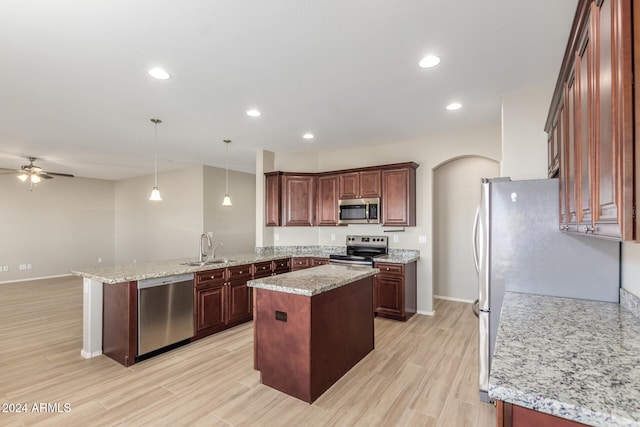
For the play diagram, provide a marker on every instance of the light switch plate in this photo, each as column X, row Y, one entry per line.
column 422, row 239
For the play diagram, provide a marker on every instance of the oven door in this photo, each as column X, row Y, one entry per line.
column 350, row 260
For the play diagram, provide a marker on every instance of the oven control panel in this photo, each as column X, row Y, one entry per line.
column 367, row 241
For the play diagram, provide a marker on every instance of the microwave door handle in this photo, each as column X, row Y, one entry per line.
column 366, row 211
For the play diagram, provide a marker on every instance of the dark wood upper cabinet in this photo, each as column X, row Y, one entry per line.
column 309, row 199
column 273, row 202
column 327, row 200
column 591, row 121
column 357, row 185
column 298, row 200
column 399, row 196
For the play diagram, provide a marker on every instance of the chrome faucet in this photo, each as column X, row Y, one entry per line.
column 203, row 254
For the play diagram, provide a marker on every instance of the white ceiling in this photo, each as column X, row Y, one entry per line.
column 74, row 88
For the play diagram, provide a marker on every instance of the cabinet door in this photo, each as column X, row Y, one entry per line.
column 349, row 185
column 273, row 212
column 298, row 200
column 584, row 128
column 210, row 313
column 388, row 295
column 239, row 302
column 399, row 196
column 328, row 200
column 370, row 184
column 571, row 148
column 613, row 195
column 281, row 266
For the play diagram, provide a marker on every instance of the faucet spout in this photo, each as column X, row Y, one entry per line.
column 203, row 253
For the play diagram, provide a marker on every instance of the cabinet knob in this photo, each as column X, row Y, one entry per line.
column 387, row 268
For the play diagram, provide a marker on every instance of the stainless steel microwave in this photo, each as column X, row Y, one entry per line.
column 359, row 211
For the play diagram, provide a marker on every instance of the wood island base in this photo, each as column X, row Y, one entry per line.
column 304, row 344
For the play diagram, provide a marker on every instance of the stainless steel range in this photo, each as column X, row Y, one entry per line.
column 361, row 250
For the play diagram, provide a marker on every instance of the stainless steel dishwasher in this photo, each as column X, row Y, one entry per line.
column 165, row 311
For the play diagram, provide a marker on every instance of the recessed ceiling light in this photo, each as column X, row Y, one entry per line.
column 308, row 135
column 253, row 113
column 429, row 61
column 159, row 73
column 454, row 106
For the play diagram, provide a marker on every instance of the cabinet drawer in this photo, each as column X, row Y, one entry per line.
column 240, row 272
column 210, row 276
column 300, row 263
column 319, row 261
column 385, row 268
column 261, row 269
column 281, row 266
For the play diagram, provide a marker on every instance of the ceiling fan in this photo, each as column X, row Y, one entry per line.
column 34, row 174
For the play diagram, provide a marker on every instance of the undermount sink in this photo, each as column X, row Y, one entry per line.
column 203, row 263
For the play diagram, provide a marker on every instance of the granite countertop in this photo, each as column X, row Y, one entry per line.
column 575, row 359
column 313, row 281
column 148, row 270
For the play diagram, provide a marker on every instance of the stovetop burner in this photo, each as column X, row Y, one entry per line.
column 361, row 250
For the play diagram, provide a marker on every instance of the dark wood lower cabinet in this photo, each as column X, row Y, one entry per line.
column 209, row 309
column 300, row 263
column 120, row 322
column 395, row 290
column 509, row 415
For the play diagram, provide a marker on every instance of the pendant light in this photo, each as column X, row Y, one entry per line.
column 227, row 199
column 155, row 193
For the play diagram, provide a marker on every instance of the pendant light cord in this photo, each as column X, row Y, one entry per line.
column 155, row 159
column 227, row 163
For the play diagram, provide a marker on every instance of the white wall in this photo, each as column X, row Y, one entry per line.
column 456, row 196
column 148, row 231
column 232, row 225
column 524, row 141
column 62, row 224
column 428, row 153
column 630, row 271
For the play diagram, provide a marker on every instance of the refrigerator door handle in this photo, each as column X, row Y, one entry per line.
column 475, row 240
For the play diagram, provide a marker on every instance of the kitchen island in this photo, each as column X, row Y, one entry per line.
column 565, row 361
column 311, row 327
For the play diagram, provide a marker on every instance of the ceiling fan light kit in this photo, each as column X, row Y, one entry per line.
column 34, row 174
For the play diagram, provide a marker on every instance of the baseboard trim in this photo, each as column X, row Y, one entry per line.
column 426, row 313
column 35, row 278
column 88, row 355
column 468, row 301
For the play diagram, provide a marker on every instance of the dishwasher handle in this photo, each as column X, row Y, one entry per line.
column 162, row 281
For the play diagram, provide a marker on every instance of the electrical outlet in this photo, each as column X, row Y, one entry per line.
column 333, row 236
column 28, row 266
column 5, row 268
column 22, row 267
column 395, row 238
column 210, row 233
column 422, row 239
column 99, row 260
column 276, row 237
column 135, row 260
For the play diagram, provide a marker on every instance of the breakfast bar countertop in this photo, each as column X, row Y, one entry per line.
column 313, row 281
column 571, row 358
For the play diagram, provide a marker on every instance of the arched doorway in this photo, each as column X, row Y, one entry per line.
column 456, row 194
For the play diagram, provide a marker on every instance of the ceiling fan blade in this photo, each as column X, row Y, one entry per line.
column 68, row 175
column 44, row 175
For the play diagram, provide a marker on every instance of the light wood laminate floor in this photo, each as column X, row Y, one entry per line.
column 421, row 373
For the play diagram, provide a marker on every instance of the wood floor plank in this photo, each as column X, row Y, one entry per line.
column 421, row 373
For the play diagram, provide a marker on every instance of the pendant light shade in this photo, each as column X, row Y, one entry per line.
column 227, row 199
column 155, row 192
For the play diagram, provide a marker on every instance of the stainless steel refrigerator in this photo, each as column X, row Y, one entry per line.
column 518, row 247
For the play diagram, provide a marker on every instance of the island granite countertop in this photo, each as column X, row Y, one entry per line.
column 313, row 281
column 574, row 359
